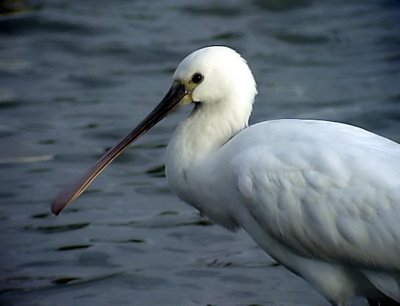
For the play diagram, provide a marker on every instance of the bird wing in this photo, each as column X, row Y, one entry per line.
column 327, row 191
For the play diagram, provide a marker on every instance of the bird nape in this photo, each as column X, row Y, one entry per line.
column 321, row 198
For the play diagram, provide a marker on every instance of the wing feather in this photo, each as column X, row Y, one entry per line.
column 331, row 193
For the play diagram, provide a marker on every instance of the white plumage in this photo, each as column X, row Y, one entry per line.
column 320, row 197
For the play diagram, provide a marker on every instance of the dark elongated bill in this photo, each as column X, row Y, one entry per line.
column 72, row 192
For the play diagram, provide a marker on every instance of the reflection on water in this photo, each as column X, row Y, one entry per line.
column 76, row 76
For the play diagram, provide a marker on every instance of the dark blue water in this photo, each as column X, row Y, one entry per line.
column 75, row 76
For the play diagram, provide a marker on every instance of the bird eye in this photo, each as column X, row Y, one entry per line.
column 197, row 78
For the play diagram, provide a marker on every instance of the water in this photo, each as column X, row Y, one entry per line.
column 75, row 76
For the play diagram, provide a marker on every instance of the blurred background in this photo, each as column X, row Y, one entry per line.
column 76, row 76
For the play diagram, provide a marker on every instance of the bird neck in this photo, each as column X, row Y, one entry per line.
column 207, row 128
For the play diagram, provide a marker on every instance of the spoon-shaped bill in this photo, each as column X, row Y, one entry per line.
column 73, row 191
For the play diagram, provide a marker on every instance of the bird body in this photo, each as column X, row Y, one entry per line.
column 306, row 191
column 322, row 198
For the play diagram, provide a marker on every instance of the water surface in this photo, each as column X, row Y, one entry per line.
column 75, row 76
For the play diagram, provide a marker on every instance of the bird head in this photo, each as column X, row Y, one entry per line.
column 215, row 74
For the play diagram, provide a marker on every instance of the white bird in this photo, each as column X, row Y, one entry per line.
column 321, row 198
